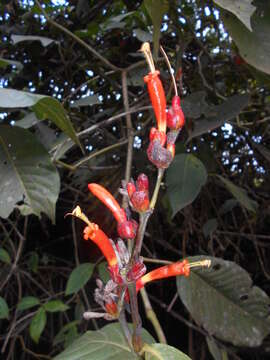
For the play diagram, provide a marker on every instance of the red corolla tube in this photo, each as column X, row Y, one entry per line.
column 174, row 269
column 108, row 200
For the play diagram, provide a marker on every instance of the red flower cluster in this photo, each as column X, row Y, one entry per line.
column 174, row 118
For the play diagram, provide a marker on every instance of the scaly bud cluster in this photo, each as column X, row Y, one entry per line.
column 139, row 194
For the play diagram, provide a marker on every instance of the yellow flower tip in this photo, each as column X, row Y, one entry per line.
column 145, row 48
column 77, row 212
column 203, row 263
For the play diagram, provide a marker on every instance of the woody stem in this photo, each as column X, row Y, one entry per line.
column 136, row 319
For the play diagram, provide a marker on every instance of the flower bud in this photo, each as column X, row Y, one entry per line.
column 137, row 271
column 175, row 115
column 127, row 229
column 158, row 155
column 140, row 201
column 142, row 182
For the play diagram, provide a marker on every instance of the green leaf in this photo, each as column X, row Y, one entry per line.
column 45, row 107
column 215, row 116
column 103, row 272
column 37, row 325
column 79, row 277
column 228, row 206
column 240, row 8
column 217, row 352
column 156, row 10
column 164, row 352
column 3, row 309
column 33, row 261
column 27, row 173
column 185, row 177
column 254, row 47
column 209, row 227
column 55, row 305
column 19, row 38
column 223, row 301
column 27, row 302
column 6, row 62
column 240, row 194
column 86, row 101
column 108, row 343
column 61, row 336
column 4, row 256
column 143, row 36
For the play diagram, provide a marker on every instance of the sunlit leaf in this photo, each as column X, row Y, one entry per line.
column 86, row 101
column 43, row 40
column 107, row 343
column 223, row 301
column 79, row 277
column 185, row 178
column 27, row 173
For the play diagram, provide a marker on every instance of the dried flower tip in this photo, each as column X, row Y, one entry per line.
column 145, row 48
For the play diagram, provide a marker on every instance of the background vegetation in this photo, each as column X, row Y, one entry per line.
column 76, row 66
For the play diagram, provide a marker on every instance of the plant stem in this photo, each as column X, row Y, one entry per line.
column 157, row 187
column 151, row 315
column 136, row 319
column 124, row 325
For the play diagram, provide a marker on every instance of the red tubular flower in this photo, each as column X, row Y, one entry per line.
column 175, row 115
column 126, row 228
column 175, row 269
column 157, row 97
column 155, row 90
column 94, row 233
column 108, row 200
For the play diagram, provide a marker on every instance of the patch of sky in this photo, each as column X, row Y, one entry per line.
column 89, row 147
column 100, row 98
column 140, row 115
column 137, row 142
column 182, row 20
column 164, row 27
column 139, row 127
column 3, row 115
column 3, row 82
column 117, row 96
column 90, row 73
column 216, row 50
column 173, row 34
column 12, row 122
column 207, row 11
column 198, row 24
column 257, row 139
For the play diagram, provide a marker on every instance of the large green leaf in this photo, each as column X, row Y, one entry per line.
column 27, row 173
column 240, row 194
column 38, row 324
column 243, row 9
column 164, row 352
column 223, row 301
column 156, row 9
column 185, row 177
column 215, row 116
column 3, row 308
column 4, row 256
column 45, row 107
column 254, row 46
column 106, row 344
column 79, row 277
